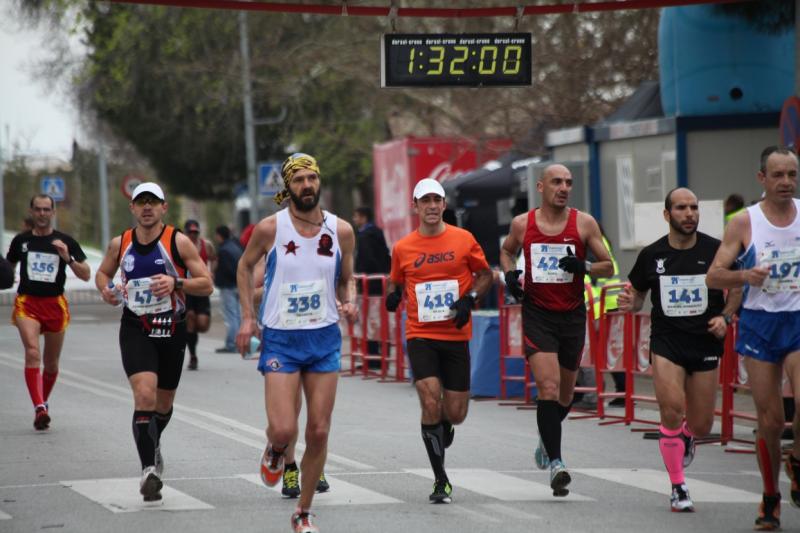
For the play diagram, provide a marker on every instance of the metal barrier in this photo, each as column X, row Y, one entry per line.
column 376, row 334
column 512, row 348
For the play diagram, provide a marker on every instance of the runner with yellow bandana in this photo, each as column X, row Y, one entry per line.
column 293, row 163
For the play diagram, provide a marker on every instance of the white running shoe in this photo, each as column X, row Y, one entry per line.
column 680, row 500
column 559, row 477
column 689, row 448
column 150, row 485
column 159, row 462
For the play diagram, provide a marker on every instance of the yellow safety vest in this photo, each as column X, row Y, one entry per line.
column 732, row 214
column 599, row 283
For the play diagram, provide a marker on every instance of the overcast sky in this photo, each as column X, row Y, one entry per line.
column 40, row 120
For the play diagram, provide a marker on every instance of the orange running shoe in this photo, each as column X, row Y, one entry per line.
column 301, row 523
column 271, row 466
column 793, row 471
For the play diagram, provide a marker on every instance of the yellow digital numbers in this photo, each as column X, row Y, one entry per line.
column 438, row 61
column 463, row 52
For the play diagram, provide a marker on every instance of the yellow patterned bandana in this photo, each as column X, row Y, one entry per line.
column 292, row 164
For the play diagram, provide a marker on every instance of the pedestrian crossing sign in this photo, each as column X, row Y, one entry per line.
column 269, row 179
column 54, row 187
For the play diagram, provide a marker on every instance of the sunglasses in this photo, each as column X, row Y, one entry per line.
column 144, row 200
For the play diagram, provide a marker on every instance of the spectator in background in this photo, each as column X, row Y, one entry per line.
column 198, row 308
column 733, row 205
column 228, row 253
column 247, row 232
column 6, row 273
column 372, row 257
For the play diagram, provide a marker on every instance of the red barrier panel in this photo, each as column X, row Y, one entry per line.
column 376, row 334
column 511, row 347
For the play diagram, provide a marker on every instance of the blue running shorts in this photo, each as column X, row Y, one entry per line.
column 300, row 350
column 768, row 336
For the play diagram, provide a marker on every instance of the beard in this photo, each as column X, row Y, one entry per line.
column 680, row 229
column 301, row 203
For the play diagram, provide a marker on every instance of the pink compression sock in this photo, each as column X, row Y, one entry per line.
column 671, row 445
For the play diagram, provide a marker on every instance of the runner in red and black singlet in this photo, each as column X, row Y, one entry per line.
column 554, row 239
column 198, row 308
column 40, row 307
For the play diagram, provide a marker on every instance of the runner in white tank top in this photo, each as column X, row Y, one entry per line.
column 300, row 278
column 307, row 286
column 769, row 324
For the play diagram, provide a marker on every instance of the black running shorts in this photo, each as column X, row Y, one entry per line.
column 201, row 305
column 695, row 353
column 446, row 360
column 163, row 356
column 559, row 332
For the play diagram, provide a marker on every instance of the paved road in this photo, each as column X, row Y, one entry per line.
column 82, row 474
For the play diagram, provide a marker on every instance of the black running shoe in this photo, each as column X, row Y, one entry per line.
column 449, row 433
column 442, row 492
column 291, row 481
column 322, row 484
column 769, row 513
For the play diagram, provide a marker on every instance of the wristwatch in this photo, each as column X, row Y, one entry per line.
column 71, row 260
column 588, row 265
column 178, row 283
column 473, row 295
column 727, row 318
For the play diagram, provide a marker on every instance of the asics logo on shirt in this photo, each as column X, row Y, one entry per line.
column 441, row 257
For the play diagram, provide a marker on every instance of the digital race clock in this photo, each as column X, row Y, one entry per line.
column 466, row 59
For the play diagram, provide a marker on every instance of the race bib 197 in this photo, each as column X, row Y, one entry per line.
column 302, row 303
column 141, row 299
column 683, row 295
column 544, row 263
column 434, row 299
column 784, row 269
column 42, row 266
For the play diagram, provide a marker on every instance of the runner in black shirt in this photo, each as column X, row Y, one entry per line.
column 688, row 325
column 40, row 306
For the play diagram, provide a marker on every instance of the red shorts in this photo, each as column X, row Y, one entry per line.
column 52, row 312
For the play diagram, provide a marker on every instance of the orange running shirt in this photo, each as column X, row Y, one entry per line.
column 439, row 270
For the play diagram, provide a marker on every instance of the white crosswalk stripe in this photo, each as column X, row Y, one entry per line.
column 497, row 485
column 341, row 493
column 121, row 495
column 4, row 516
column 658, row 482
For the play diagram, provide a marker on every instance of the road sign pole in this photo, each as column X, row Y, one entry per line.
column 105, row 233
column 249, row 126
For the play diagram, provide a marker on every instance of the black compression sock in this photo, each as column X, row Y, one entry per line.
column 191, row 343
column 564, row 411
column 433, row 438
column 548, row 418
column 145, row 434
column 162, row 419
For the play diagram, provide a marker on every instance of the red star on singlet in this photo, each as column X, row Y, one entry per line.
column 291, row 248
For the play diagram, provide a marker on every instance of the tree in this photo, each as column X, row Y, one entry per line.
column 168, row 81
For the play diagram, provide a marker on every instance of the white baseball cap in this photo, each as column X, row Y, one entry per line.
column 428, row 186
column 150, row 187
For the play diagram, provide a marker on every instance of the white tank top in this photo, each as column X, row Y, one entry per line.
column 779, row 250
column 301, row 275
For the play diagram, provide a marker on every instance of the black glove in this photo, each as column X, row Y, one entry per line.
column 570, row 263
column 463, row 309
column 393, row 299
column 512, row 284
